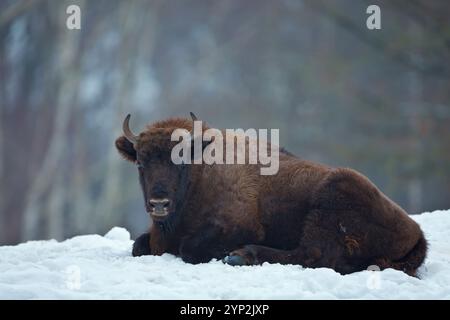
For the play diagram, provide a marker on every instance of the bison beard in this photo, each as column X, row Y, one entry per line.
column 307, row 214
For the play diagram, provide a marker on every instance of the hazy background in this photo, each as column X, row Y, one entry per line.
column 377, row 101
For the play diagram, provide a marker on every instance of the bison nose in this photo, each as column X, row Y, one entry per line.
column 159, row 205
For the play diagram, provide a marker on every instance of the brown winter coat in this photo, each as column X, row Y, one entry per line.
column 308, row 214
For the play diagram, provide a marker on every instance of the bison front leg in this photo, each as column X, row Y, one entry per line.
column 203, row 247
column 193, row 251
column 141, row 246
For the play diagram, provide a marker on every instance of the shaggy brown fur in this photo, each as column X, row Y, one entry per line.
column 307, row 214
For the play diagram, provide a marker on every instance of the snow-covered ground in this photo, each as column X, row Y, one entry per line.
column 96, row 267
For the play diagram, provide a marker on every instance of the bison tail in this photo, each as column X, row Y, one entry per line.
column 409, row 263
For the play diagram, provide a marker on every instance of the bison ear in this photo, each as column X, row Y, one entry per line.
column 126, row 149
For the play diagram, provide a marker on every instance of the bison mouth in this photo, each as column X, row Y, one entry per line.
column 159, row 216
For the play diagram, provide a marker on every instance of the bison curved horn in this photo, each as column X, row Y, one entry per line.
column 127, row 132
column 193, row 116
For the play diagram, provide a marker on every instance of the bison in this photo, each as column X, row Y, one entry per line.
column 308, row 214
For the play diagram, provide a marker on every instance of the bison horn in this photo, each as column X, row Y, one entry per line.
column 127, row 132
column 193, row 116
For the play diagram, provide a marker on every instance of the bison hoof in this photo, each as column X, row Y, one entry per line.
column 242, row 257
column 234, row 260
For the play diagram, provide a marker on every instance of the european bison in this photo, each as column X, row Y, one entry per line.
column 307, row 214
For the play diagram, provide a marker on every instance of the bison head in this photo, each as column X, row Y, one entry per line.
column 163, row 183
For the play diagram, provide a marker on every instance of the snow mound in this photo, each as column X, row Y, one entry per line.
column 119, row 234
column 96, row 267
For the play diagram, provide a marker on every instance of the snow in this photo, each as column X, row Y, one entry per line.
column 96, row 267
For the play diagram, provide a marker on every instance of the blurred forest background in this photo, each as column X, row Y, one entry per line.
column 377, row 101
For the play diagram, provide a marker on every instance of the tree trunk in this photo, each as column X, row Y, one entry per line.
column 52, row 163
